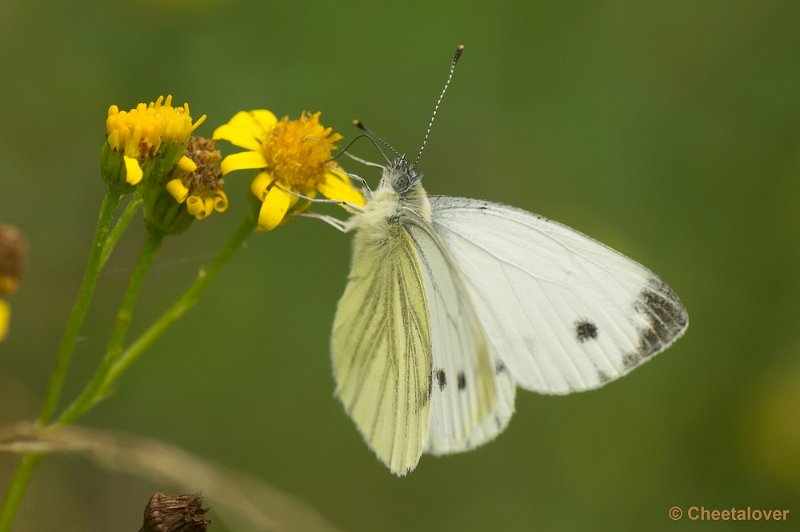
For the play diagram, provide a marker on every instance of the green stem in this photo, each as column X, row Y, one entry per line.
column 186, row 301
column 122, row 224
column 107, row 210
column 94, row 391
column 113, row 366
column 19, row 483
column 16, row 490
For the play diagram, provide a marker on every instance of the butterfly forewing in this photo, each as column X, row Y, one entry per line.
column 562, row 311
column 381, row 349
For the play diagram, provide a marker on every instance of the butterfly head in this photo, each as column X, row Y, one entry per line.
column 401, row 175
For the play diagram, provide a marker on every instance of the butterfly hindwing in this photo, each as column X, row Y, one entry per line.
column 462, row 381
column 492, row 424
column 562, row 311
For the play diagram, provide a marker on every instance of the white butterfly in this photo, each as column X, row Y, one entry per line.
column 452, row 303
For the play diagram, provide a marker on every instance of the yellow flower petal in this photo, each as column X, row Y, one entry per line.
column 260, row 185
column 274, row 208
column 133, row 172
column 208, row 208
column 186, row 164
column 198, row 121
column 246, row 160
column 264, row 118
column 5, row 314
column 193, row 205
column 199, row 207
column 177, row 190
column 237, row 137
column 220, row 201
column 245, row 121
column 336, row 188
column 304, row 207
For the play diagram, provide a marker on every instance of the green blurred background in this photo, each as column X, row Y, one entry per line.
column 669, row 130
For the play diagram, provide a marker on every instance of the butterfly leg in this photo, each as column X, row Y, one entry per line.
column 346, row 204
column 356, row 177
column 330, row 220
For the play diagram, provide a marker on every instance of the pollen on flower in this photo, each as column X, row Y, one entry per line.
column 298, row 152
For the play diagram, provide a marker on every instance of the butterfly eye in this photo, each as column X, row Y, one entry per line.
column 401, row 183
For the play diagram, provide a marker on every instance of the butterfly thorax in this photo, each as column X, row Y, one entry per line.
column 400, row 196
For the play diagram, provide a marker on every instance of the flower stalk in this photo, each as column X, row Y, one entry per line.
column 185, row 302
column 64, row 356
column 95, row 391
column 16, row 490
column 121, row 225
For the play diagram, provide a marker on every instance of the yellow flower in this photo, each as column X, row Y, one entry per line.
column 138, row 135
column 197, row 179
column 294, row 157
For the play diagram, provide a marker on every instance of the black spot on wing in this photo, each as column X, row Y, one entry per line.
column 499, row 367
column 631, row 360
column 441, row 378
column 666, row 317
column 585, row 330
column 603, row 377
column 462, row 380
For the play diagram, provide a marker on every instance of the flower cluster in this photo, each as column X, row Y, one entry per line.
column 174, row 178
column 152, row 143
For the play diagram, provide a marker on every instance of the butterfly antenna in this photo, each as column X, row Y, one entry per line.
column 456, row 56
column 349, row 144
column 371, row 135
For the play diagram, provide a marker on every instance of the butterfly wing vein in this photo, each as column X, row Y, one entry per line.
column 382, row 352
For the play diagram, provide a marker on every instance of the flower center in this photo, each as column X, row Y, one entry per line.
column 207, row 177
column 298, row 152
